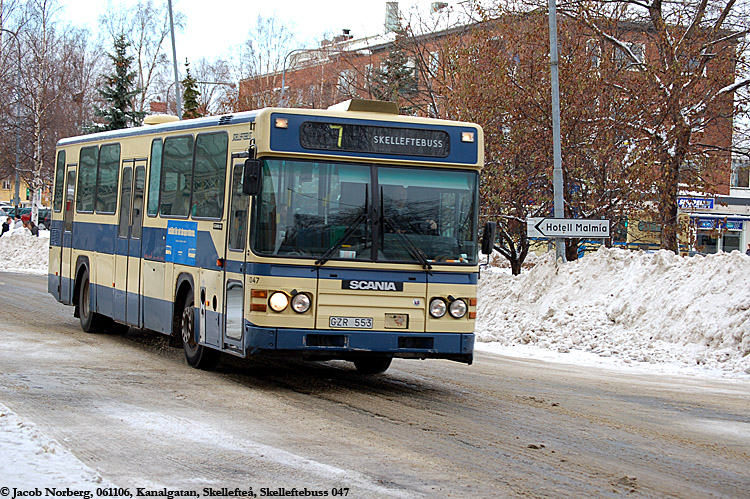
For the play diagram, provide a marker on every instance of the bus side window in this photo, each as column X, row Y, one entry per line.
column 177, row 166
column 59, row 179
column 87, row 179
column 238, row 211
column 154, row 178
column 107, row 173
column 209, row 175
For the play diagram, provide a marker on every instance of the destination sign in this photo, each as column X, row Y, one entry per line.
column 567, row 227
column 374, row 139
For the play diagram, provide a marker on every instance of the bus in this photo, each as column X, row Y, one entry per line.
column 347, row 233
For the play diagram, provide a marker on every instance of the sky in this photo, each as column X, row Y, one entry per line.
column 212, row 31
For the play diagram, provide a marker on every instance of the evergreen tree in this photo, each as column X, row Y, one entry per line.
column 190, row 95
column 119, row 91
column 396, row 76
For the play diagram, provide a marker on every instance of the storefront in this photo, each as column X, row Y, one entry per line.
column 715, row 234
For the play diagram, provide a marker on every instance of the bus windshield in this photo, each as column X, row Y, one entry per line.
column 340, row 211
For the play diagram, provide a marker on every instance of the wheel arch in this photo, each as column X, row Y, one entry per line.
column 183, row 285
column 82, row 264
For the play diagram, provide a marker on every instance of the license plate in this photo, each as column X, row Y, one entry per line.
column 350, row 322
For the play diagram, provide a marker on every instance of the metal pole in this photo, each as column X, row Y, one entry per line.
column 557, row 173
column 174, row 62
column 283, row 70
column 17, row 199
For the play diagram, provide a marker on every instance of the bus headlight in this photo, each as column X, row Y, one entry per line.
column 458, row 308
column 278, row 301
column 437, row 308
column 301, row 303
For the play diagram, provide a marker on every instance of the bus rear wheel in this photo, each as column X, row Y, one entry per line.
column 196, row 355
column 91, row 322
column 372, row 365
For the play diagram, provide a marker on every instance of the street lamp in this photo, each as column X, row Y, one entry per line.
column 283, row 70
column 16, row 199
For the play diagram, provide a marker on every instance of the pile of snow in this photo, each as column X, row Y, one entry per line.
column 22, row 252
column 31, row 459
column 637, row 307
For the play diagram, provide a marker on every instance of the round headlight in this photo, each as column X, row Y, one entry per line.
column 301, row 303
column 278, row 301
column 458, row 308
column 437, row 308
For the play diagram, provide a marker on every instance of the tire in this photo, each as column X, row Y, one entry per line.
column 91, row 322
column 196, row 355
column 373, row 365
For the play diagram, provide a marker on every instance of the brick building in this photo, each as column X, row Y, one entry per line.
column 347, row 67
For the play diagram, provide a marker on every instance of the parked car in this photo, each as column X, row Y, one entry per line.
column 45, row 215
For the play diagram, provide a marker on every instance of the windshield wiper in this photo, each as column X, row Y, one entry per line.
column 349, row 231
column 413, row 250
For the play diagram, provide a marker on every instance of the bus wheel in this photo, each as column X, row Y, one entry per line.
column 373, row 365
column 90, row 321
column 196, row 355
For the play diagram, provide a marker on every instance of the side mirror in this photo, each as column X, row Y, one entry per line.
column 488, row 237
column 251, row 179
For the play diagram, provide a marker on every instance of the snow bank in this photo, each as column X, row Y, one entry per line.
column 31, row 459
column 22, row 252
column 636, row 306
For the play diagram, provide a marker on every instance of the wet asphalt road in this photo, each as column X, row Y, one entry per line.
column 130, row 408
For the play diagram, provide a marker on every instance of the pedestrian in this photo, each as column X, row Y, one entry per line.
column 33, row 228
column 18, row 223
column 6, row 226
column 747, row 252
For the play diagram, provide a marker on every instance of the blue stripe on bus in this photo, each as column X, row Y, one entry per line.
column 102, row 238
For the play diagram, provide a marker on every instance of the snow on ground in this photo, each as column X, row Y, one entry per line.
column 31, row 459
column 674, row 313
column 22, row 252
column 614, row 308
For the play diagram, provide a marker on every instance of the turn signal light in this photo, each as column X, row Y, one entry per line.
column 258, row 293
column 258, row 307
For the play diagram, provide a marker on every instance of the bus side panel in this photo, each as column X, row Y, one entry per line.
column 104, row 270
column 157, row 306
column 53, row 273
column 211, row 281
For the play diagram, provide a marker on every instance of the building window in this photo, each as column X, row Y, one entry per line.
column 347, row 82
column 741, row 173
column 594, row 51
column 623, row 58
column 6, row 185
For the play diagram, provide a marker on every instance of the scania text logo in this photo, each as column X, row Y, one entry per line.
column 373, row 285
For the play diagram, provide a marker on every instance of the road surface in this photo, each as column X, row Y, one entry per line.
column 130, row 408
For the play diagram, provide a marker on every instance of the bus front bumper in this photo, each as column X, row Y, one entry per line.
column 349, row 344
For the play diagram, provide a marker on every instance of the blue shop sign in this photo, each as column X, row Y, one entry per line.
column 718, row 223
column 691, row 204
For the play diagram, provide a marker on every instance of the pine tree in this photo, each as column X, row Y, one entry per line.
column 396, row 75
column 119, row 91
column 190, row 95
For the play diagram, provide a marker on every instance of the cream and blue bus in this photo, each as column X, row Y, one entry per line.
column 348, row 233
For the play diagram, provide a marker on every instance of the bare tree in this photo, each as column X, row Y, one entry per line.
column 681, row 70
column 262, row 61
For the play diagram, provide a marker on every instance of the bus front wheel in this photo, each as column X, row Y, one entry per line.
column 196, row 355
column 372, row 365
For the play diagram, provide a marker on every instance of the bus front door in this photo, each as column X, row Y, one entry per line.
column 66, row 242
column 127, row 297
column 234, row 268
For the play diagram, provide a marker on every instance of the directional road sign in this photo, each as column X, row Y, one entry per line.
column 567, row 227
